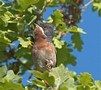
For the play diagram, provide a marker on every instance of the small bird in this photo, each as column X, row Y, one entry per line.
column 43, row 50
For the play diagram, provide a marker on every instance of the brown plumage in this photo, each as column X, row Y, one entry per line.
column 43, row 51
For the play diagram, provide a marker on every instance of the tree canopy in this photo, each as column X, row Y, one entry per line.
column 16, row 39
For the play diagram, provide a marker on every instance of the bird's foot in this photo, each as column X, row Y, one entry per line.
column 49, row 64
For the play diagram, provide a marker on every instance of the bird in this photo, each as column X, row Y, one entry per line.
column 43, row 50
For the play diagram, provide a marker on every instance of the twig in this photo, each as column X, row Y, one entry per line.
column 87, row 4
column 24, row 64
column 42, row 11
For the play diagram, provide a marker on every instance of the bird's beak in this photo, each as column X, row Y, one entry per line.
column 38, row 26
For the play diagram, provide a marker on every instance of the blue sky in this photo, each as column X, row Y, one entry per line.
column 89, row 59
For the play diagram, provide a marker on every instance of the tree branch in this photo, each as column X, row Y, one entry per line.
column 24, row 64
column 87, row 4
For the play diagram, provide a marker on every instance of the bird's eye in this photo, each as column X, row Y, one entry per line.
column 44, row 27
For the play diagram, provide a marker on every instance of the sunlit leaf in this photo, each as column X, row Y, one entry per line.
column 44, row 76
column 57, row 17
column 58, row 43
column 11, row 76
column 2, row 72
column 61, row 74
column 70, row 84
column 53, row 3
column 76, row 29
column 98, row 84
column 39, row 83
column 63, row 88
column 85, row 79
column 24, row 43
column 97, row 6
column 3, row 38
column 10, row 85
column 25, row 3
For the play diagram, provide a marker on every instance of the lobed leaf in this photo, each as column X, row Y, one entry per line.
column 64, row 56
column 61, row 74
column 2, row 72
column 97, row 6
column 25, row 43
column 70, row 84
column 85, row 79
column 57, row 17
column 77, row 41
column 44, row 76
column 98, row 84
column 76, row 29
column 58, row 43
column 39, row 83
column 10, row 85
column 25, row 3
column 11, row 76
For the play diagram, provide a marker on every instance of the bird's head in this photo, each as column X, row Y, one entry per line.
column 48, row 30
column 39, row 32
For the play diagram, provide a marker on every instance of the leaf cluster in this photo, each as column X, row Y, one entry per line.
column 59, row 79
column 16, row 40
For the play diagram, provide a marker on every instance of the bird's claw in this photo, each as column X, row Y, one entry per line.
column 49, row 64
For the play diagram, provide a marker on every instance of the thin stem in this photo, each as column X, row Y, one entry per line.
column 43, row 9
column 24, row 64
column 87, row 4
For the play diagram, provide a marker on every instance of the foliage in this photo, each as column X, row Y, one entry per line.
column 59, row 79
column 16, row 31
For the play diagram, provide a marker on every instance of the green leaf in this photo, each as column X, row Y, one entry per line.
column 10, row 85
column 44, row 76
column 11, row 35
column 22, row 51
column 57, row 17
column 99, row 12
column 11, row 76
column 98, row 84
column 25, row 3
column 70, row 84
column 69, row 2
column 77, row 41
column 2, row 72
column 61, row 74
column 3, row 38
column 49, row 78
column 21, row 27
column 64, row 56
column 40, row 4
column 37, row 74
column 85, row 79
column 39, row 83
column 97, row 6
column 63, row 88
column 24, row 42
column 58, row 43
column 4, row 18
column 76, row 29
column 53, row 3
